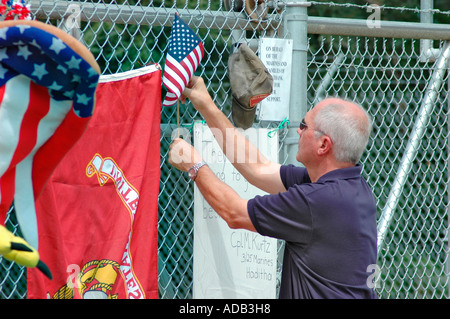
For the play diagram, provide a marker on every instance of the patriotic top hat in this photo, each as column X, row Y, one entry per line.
column 47, row 96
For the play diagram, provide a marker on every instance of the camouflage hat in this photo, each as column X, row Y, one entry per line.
column 250, row 84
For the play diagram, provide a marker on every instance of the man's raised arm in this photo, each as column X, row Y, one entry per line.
column 244, row 156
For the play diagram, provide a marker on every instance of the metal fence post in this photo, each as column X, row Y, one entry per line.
column 447, row 238
column 295, row 28
column 427, row 52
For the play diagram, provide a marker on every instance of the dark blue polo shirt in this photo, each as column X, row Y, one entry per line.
column 330, row 232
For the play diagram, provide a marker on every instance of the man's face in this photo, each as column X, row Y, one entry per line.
column 306, row 141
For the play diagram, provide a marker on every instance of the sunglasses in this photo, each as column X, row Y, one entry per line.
column 303, row 125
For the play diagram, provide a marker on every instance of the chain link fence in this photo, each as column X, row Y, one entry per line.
column 390, row 75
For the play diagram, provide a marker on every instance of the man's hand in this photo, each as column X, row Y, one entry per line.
column 183, row 155
column 198, row 94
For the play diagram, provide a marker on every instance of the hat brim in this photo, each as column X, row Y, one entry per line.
column 242, row 116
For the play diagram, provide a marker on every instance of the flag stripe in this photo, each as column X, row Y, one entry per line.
column 173, row 85
column 2, row 92
column 41, row 118
column 193, row 59
column 189, row 65
column 37, row 109
column 7, row 189
column 48, row 125
column 12, row 110
column 11, row 117
column 173, row 78
column 24, row 201
column 55, row 148
column 170, row 99
column 174, row 66
column 198, row 55
column 202, row 50
column 2, row 179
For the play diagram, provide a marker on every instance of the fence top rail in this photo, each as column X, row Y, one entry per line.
column 225, row 19
column 385, row 29
column 148, row 15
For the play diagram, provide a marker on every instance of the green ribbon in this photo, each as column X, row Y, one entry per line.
column 281, row 126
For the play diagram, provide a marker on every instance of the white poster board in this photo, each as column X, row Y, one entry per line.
column 231, row 263
column 276, row 55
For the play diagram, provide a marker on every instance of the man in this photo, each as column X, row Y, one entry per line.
column 324, row 211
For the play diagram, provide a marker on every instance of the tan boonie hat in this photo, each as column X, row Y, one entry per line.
column 250, row 84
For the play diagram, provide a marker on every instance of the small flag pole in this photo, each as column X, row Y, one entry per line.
column 178, row 118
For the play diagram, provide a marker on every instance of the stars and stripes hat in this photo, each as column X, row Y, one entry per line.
column 47, row 96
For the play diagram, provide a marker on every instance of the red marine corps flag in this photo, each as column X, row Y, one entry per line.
column 98, row 214
column 184, row 56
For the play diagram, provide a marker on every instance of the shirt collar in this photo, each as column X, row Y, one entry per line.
column 342, row 173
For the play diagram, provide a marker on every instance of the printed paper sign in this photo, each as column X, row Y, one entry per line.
column 231, row 263
column 276, row 55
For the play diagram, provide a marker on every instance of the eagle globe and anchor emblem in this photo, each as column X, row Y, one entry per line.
column 95, row 281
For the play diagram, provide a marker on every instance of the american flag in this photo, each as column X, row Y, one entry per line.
column 183, row 57
column 46, row 98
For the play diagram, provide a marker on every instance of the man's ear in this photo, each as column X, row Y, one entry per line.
column 325, row 145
